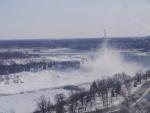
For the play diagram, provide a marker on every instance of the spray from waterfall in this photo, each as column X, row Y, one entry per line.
column 109, row 61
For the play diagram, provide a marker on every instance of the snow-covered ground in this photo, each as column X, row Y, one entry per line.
column 29, row 81
column 26, row 102
column 21, row 96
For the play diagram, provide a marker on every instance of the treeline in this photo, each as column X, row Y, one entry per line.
column 36, row 66
column 102, row 93
column 81, row 44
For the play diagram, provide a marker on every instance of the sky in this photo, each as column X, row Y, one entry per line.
column 26, row 19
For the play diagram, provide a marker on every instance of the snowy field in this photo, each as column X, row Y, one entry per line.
column 26, row 102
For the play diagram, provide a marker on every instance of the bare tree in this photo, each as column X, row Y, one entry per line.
column 44, row 105
column 128, row 87
column 73, row 102
column 103, row 91
column 138, row 77
column 60, row 102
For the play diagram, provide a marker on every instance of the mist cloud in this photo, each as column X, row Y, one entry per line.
column 109, row 61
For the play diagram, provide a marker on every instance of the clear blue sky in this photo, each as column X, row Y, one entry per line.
column 73, row 18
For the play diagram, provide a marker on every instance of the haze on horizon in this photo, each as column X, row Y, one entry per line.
column 21, row 19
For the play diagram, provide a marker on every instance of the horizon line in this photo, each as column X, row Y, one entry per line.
column 67, row 38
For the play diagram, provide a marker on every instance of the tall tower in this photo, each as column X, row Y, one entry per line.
column 105, row 40
column 105, row 33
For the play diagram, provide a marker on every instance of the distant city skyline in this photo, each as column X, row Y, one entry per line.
column 51, row 19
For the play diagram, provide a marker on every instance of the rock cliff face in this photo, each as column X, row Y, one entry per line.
column 37, row 66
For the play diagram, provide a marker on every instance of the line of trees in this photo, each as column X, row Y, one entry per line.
column 102, row 92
